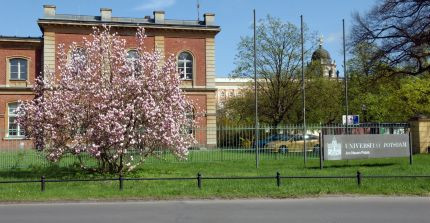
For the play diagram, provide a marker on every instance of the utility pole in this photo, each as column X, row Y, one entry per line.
column 303, row 92
column 257, row 152
column 345, row 75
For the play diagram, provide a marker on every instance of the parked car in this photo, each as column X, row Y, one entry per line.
column 275, row 137
column 293, row 144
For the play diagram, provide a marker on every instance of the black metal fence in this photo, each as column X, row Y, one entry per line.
column 224, row 143
column 199, row 179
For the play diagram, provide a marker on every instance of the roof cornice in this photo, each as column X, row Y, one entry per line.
column 20, row 39
column 46, row 22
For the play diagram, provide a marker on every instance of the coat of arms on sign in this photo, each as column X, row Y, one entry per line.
column 334, row 150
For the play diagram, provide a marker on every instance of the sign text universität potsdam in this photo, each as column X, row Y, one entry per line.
column 339, row 147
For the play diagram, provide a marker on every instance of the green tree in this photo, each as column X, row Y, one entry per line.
column 324, row 97
column 386, row 95
column 278, row 67
column 324, row 103
column 400, row 31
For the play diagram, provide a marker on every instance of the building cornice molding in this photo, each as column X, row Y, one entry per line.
column 44, row 23
column 13, row 90
column 17, row 39
column 202, row 89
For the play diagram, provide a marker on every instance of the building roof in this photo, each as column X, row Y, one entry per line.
column 28, row 39
column 51, row 17
column 322, row 55
column 122, row 20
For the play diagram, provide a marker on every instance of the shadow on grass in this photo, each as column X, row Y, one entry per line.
column 345, row 165
column 50, row 172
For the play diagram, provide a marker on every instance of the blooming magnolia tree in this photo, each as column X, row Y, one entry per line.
column 106, row 104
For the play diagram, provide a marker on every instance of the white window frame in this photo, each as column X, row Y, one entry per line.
column 133, row 60
column 128, row 54
column 184, row 75
column 20, row 133
column 76, row 50
column 19, row 68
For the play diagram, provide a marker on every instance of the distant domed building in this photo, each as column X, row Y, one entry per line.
column 322, row 56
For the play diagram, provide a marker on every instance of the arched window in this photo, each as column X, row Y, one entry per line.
column 18, row 69
column 185, row 66
column 191, row 116
column 77, row 53
column 14, row 130
column 132, row 55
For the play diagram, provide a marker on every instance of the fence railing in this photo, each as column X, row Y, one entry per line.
column 224, row 143
column 199, row 179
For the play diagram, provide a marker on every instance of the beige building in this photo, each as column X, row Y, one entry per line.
column 230, row 87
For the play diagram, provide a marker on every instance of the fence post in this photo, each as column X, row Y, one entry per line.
column 410, row 147
column 358, row 178
column 42, row 183
column 121, row 182
column 199, row 180
column 278, row 179
column 222, row 154
column 320, row 150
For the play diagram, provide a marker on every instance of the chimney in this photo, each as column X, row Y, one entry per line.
column 159, row 16
column 106, row 14
column 209, row 19
column 49, row 10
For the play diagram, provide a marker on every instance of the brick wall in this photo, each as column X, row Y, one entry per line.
column 199, row 104
column 34, row 62
column 196, row 46
column 5, row 143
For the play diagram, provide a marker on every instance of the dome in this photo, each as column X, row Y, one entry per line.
column 321, row 55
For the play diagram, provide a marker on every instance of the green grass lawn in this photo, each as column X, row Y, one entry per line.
column 262, row 188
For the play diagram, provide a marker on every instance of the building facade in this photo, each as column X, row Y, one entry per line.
column 322, row 57
column 192, row 42
column 230, row 87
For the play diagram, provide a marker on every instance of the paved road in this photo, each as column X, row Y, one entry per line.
column 335, row 209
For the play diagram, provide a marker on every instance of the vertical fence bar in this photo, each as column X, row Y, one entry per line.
column 278, row 179
column 199, row 180
column 410, row 147
column 42, row 183
column 221, row 147
column 321, row 151
column 358, row 178
column 121, row 182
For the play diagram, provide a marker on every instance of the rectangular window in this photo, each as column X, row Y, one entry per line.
column 18, row 69
column 14, row 130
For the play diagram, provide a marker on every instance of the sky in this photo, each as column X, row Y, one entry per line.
column 19, row 17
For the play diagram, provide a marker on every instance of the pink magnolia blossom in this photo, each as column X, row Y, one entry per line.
column 105, row 104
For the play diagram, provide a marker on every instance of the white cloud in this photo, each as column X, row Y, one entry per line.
column 155, row 5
